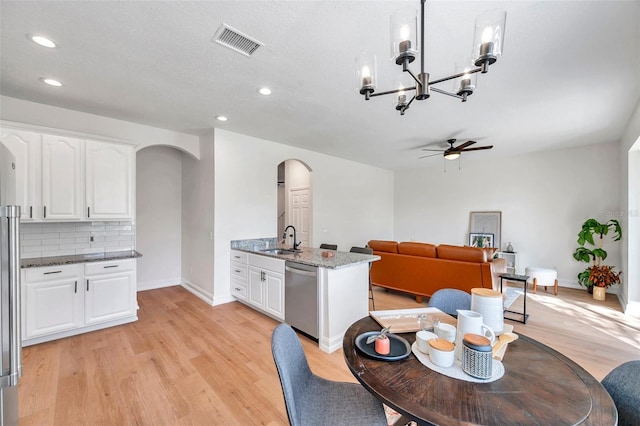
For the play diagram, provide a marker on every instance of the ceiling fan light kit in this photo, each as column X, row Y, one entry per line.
column 487, row 47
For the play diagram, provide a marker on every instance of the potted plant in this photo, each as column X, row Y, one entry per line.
column 596, row 275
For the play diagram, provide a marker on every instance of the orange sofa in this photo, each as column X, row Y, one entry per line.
column 421, row 269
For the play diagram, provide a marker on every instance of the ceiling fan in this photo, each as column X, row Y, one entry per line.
column 454, row 152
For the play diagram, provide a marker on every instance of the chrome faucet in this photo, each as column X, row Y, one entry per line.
column 295, row 242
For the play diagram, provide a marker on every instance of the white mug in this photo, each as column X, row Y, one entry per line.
column 471, row 322
column 422, row 339
column 445, row 331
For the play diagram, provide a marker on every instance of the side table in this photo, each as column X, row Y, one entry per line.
column 521, row 279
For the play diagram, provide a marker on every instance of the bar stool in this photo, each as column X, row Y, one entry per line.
column 366, row 250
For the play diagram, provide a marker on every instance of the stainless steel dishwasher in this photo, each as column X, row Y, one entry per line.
column 301, row 297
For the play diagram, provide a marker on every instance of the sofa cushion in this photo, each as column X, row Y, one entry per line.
column 385, row 246
column 464, row 254
column 417, row 249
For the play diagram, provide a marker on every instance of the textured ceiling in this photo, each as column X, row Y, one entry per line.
column 569, row 74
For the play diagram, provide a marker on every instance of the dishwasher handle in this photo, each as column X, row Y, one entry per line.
column 301, row 271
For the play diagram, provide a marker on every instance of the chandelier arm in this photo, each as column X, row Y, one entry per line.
column 451, row 77
column 389, row 92
column 444, row 92
column 414, row 77
column 409, row 103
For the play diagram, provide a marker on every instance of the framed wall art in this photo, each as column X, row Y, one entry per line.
column 487, row 223
column 480, row 240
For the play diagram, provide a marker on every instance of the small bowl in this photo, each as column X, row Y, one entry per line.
column 441, row 352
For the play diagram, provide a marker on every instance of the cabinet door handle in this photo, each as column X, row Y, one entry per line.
column 45, row 212
column 110, row 266
column 30, row 212
column 75, row 288
column 88, row 211
column 237, row 257
column 237, row 270
column 87, row 285
column 237, row 289
column 52, row 272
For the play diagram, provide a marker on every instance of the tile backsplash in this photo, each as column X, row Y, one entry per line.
column 67, row 238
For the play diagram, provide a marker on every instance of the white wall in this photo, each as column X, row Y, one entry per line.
column 197, row 220
column 20, row 111
column 352, row 202
column 544, row 199
column 630, row 209
column 159, row 216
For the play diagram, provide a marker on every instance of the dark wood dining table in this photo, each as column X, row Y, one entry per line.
column 540, row 387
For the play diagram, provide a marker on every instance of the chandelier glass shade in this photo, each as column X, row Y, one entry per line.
column 487, row 47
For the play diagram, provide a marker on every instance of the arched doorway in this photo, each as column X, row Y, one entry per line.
column 295, row 200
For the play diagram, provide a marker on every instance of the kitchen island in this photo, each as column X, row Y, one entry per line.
column 342, row 286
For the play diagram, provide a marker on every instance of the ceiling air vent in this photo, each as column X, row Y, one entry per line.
column 235, row 40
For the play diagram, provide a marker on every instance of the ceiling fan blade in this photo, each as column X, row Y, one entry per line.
column 427, row 156
column 463, row 146
column 478, row 148
column 427, row 149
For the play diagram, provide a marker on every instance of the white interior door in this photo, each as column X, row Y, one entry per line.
column 300, row 202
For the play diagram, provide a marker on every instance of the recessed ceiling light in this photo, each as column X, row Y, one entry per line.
column 42, row 41
column 264, row 91
column 51, row 82
column 221, row 118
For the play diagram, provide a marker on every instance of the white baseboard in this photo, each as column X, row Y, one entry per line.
column 150, row 285
column 197, row 291
column 223, row 300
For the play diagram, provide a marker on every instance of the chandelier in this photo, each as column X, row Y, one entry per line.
column 487, row 47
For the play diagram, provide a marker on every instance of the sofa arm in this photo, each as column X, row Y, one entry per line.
column 498, row 266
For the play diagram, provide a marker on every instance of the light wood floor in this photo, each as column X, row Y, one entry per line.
column 187, row 363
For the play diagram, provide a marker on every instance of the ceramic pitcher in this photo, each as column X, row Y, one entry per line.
column 471, row 322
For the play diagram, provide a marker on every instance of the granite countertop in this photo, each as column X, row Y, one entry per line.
column 308, row 256
column 78, row 258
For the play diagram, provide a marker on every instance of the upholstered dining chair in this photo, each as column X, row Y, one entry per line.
column 448, row 300
column 623, row 384
column 366, row 250
column 313, row 400
column 329, row 246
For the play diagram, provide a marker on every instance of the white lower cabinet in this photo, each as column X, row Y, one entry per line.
column 51, row 300
column 239, row 274
column 266, row 285
column 110, row 291
column 61, row 301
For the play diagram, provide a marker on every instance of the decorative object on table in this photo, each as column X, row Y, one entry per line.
column 488, row 42
column 328, row 254
column 422, row 339
column 477, row 356
column 426, row 322
column 470, row 322
column 480, row 240
column 441, row 352
column 489, row 222
column 399, row 347
column 623, row 384
column 382, row 345
column 449, row 300
column 445, row 331
column 406, row 320
column 455, row 371
column 306, row 394
column 545, row 277
column 489, row 304
column 501, row 345
column 592, row 234
column 509, row 248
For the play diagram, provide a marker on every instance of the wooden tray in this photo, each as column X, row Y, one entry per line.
column 406, row 320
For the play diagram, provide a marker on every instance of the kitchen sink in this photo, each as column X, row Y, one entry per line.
column 280, row 251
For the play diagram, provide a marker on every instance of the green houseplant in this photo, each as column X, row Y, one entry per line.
column 592, row 234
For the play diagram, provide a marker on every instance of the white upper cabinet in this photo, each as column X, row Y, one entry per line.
column 109, row 180
column 25, row 147
column 62, row 178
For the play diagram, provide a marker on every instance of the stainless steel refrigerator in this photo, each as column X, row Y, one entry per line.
column 10, row 340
